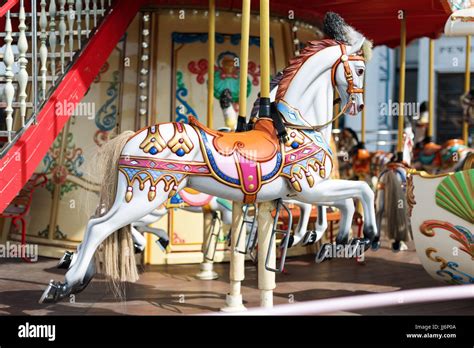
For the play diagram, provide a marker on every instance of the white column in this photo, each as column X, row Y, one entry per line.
column 234, row 301
column 87, row 11
column 8, row 59
column 43, row 50
column 62, row 31
column 266, row 279
column 52, row 38
column 94, row 11
column 23, row 73
column 70, row 19
column 79, row 22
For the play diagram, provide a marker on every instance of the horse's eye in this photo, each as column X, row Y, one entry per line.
column 360, row 71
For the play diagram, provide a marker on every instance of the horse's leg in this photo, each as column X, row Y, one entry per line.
column 346, row 207
column 329, row 192
column 321, row 223
column 302, row 227
column 120, row 215
column 139, row 240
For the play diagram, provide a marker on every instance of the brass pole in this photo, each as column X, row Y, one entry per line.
column 467, row 86
column 244, row 57
column 211, row 60
column 265, row 48
column 431, row 83
column 401, row 91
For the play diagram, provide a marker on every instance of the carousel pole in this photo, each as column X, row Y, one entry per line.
column 206, row 271
column 234, row 301
column 211, row 60
column 266, row 279
column 467, row 87
column 401, row 90
column 429, row 132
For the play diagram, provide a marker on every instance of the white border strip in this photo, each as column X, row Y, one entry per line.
column 347, row 303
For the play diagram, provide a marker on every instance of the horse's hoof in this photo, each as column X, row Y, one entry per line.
column 54, row 292
column 375, row 245
column 365, row 242
column 66, row 260
column 323, row 253
column 396, row 246
column 369, row 232
column 291, row 240
column 138, row 249
column 309, row 238
column 162, row 243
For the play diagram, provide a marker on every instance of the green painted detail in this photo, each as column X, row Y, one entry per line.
column 225, row 203
column 456, row 194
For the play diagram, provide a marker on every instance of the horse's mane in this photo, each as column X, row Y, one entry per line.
column 295, row 64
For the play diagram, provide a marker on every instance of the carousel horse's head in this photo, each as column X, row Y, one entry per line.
column 348, row 72
column 230, row 115
column 467, row 104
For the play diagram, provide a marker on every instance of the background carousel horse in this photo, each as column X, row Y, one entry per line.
column 449, row 157
column 390, row 196
column 146, row 168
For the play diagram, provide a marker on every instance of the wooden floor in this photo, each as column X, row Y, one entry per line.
column 170, row 290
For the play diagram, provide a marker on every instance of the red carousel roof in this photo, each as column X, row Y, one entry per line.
column 377, row 19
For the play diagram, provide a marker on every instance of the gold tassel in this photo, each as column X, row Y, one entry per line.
column 296, row 185
column 310, row 179
column 151, row 195
column 129, row 194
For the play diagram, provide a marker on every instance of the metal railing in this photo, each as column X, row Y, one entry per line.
column 40, row 40
column 348, row 303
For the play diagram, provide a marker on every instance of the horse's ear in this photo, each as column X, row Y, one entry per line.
column 357, row 46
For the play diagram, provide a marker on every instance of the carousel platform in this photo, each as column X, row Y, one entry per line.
column 173, row 290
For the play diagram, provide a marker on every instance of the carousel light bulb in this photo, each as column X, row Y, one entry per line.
column 296, row 41
column 195, row 12
column 171, row 12
column 206, row 13
column 217, row 14
column 146, row 18
column 294, row 28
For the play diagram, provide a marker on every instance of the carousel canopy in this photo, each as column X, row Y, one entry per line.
column 377, row 19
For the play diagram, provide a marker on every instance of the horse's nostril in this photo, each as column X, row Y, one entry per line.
column 361, row 107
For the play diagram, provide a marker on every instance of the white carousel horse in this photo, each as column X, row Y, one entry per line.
column 196, row 202
column 151, row 165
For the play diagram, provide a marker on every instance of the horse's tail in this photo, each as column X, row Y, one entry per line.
column 116, row 259
column 395, row 208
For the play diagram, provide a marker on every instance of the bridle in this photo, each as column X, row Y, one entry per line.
column 344, row 59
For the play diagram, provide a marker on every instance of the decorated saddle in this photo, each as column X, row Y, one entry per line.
column 245, row 161
column 251, row 159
